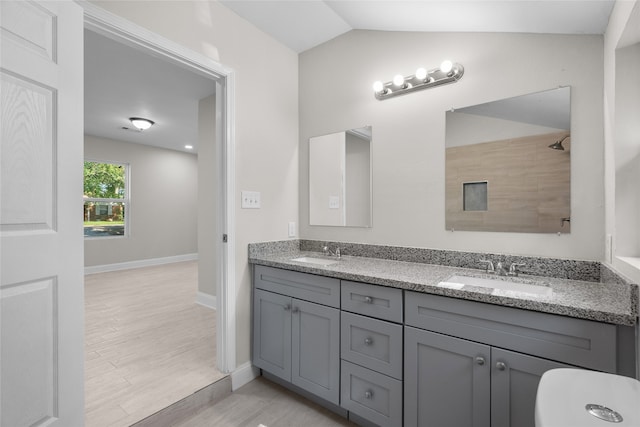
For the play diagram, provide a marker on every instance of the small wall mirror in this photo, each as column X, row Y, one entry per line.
column 508, row 165
column 340, row 178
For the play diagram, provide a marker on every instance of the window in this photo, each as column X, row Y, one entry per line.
column 106, row 199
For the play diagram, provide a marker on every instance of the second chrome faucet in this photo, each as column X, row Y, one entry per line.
column 499, row 269
column 329, row 252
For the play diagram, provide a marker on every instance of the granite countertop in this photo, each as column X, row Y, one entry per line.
column 614, row 303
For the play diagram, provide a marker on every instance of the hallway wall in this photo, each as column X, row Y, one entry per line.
column 163, row 209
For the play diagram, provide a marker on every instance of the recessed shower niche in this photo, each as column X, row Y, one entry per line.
column 474, row 196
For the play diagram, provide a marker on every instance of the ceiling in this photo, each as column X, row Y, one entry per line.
column 122, row 82
column 303, row 24
column 550, row 108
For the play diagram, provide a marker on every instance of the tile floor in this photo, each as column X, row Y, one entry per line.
column 147, row 343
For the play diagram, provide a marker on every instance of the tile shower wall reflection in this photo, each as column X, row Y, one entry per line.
column 528, row 186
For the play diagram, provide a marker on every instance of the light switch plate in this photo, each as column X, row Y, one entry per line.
column 250, row 200
column 292, row 229
column 334, row 202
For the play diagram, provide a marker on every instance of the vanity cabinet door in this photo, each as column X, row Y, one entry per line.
column 316, row 349
column 272, row 333
column 446, row 381
column 514, row 383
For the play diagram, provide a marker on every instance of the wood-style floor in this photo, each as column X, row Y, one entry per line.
column 262, row 402
column 147, row 343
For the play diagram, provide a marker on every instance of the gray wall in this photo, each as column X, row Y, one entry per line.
column 357, row 173
column 409, row 131
column 208, row 258
column 622, row 57
column 627, row 135
column 266, row 120
column 326, row 178
column 163, row 210
column 622, row 202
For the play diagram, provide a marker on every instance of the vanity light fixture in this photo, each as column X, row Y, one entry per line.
column 140, row 123
column 448, row 72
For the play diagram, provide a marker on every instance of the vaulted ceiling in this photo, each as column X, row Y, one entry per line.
column 304, row 24
column 121, row 82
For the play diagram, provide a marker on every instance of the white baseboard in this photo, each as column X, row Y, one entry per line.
column 207, row 300
column 243, row 374
column 138, row 264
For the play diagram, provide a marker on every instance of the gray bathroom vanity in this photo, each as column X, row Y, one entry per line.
column 396, row 343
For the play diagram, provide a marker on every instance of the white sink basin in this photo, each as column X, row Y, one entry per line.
column 500, row 287
column 316, row 261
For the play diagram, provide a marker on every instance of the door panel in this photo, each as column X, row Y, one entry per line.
column 445, row 386
column 31, row 26
column 316, row 349
column 41, row 155
column 29, row 308
column 514, row 384
column 272, row 333
column 28, row 150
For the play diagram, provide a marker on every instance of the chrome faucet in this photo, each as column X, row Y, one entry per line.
column 513, row 269
column 490, row 268
column 500, row 270
column 329, row 252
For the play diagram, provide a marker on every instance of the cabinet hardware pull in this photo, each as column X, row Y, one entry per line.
column 368, row 341
column 295, row 310
column 287, row 307
column 368, row 300
column 501, row 366
column 480, row 360
column 368, row 394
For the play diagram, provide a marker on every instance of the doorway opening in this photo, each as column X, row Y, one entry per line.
column 221, row 255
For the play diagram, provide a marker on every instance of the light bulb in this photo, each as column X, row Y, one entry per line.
column 140, row 123
column 188, row 147
column 421, row 74
column 378, row 87
column 398, row 80
column 446, row 66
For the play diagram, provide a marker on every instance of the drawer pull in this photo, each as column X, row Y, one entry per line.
column 295, row 310
column 368, row 341
column 368, row 394
column 480, row 360
column 501, row 366
column 368, row 300
column 287, row 307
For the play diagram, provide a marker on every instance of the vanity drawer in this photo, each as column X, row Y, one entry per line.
column 304, row 286
column 372, row 300
column 578, row 342
column 374, row 344
column 371, row 395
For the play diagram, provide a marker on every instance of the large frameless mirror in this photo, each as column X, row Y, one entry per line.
column 508, row 165
column 340, row 178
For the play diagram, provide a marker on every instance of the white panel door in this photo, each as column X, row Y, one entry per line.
column 41, row 154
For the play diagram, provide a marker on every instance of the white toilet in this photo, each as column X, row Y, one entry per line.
column 581, row 398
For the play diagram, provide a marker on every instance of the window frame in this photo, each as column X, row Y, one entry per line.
column 126, row 200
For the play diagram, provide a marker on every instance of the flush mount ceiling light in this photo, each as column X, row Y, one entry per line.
column 141, row 123
column 448, row 72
